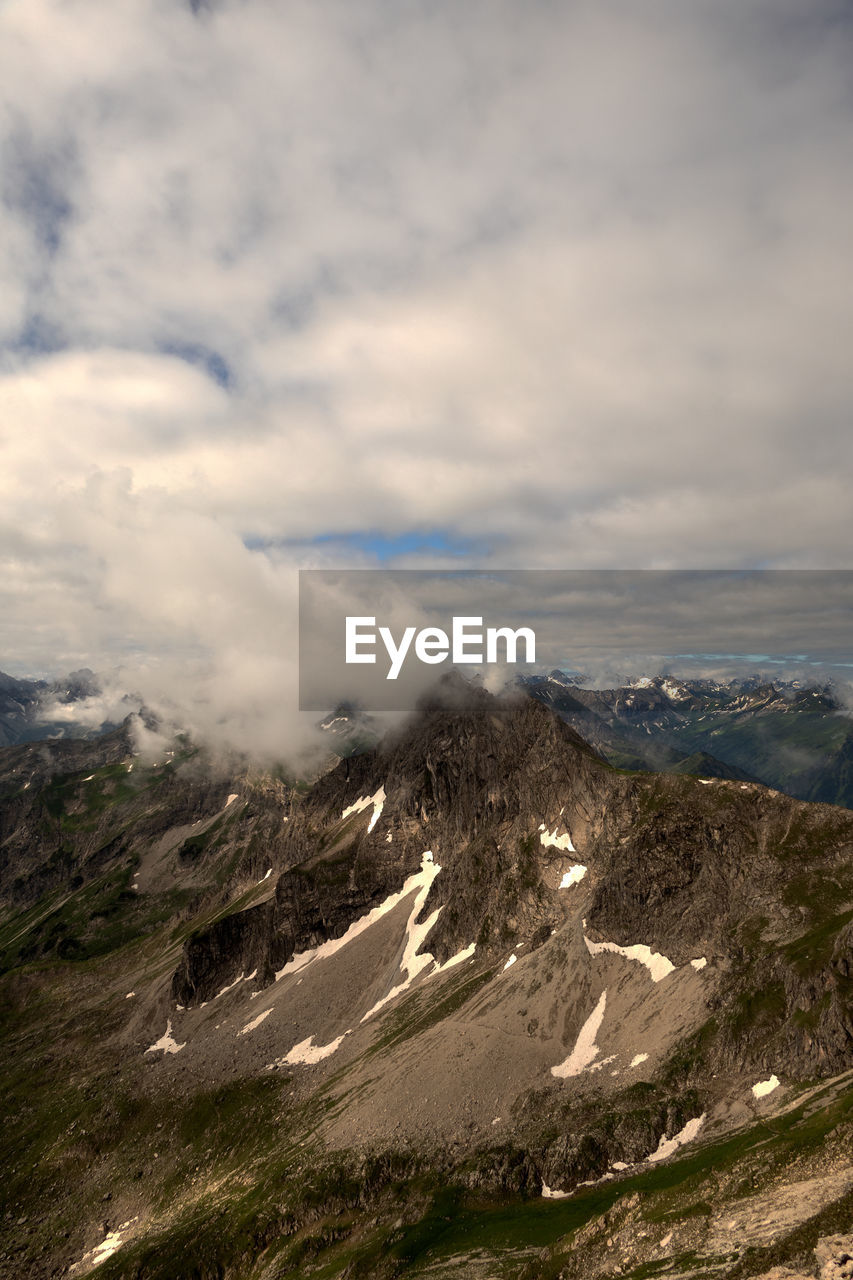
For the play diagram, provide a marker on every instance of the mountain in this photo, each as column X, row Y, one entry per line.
column 831, row 781
column 703, row 765
column 29, row 708
column 473, row 1003
column 788, row 737
column 17, row 700
column 350, row 730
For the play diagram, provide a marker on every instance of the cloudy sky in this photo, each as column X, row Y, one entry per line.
column 550, row 284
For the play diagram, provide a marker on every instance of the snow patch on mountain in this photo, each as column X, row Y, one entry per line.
column 166, row 1042
column 306, row 1052
column 585, row 1050
column 363, row 802
column 256, row 1022
column 230, row 987
column 465, row 954
column 551, row 840
column 658, row 965
column 412, row 963
column 605, row 1062
column 668, row 1146
column 548, row 1193
column 429, row 870
column 111, row 1242
column 378, row 805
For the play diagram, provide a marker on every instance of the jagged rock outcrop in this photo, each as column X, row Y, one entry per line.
column 508, row 797
column 472, row 780
column 249, row 935
column 834, row 1256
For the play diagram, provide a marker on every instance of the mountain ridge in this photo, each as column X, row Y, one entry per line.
column 786, row 736
column 474, row 963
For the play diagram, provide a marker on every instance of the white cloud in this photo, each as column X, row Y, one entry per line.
column 571, row 281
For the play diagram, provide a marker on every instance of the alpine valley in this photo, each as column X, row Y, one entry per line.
column 487, row 997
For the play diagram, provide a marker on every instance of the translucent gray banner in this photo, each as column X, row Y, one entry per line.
column 379, row 638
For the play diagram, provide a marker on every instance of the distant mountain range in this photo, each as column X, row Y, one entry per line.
column 28, row 707
column 795, row 739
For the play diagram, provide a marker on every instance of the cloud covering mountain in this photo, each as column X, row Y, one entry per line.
column 548, row 285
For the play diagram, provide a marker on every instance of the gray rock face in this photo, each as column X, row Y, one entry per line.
column 473, row 783
column 723, row 870
column 209, row 958
column 834, row 1256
